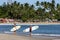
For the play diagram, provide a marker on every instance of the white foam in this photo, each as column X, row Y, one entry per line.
column 7, row 32
column 58, row 35
column 30, row 24
column 6, row 24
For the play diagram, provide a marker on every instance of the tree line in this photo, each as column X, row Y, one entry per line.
column 40, row 11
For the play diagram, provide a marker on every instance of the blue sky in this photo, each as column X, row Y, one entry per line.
column 28, row 1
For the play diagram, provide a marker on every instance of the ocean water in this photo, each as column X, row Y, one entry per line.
column 47, row 30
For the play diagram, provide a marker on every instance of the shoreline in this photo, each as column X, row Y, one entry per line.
column 16, row 37
column 31, row 23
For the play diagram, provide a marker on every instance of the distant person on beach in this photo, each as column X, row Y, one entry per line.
column 30, row 30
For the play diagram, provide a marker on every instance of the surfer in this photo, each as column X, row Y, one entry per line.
column 30, row 30
column 14, row 26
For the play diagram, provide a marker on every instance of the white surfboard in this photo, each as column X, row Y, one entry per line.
column 15, row 28
column 33, row 28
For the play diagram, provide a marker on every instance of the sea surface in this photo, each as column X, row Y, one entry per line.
column 45, row 30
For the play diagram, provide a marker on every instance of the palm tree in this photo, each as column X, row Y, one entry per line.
column 31, row 12
column 37, row 3
column 52, row 9
column 57, row 15
column 26, row 5
column 53, row 4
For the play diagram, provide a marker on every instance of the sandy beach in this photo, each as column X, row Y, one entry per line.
column 15, row 37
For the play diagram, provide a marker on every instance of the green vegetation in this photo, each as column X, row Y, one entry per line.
column 41, row 11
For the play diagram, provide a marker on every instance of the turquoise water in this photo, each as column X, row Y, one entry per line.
column 43, row 29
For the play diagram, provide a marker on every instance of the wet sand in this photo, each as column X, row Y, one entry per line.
column 16, row 37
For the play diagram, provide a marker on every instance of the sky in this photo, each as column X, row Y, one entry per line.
column 28, row 1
